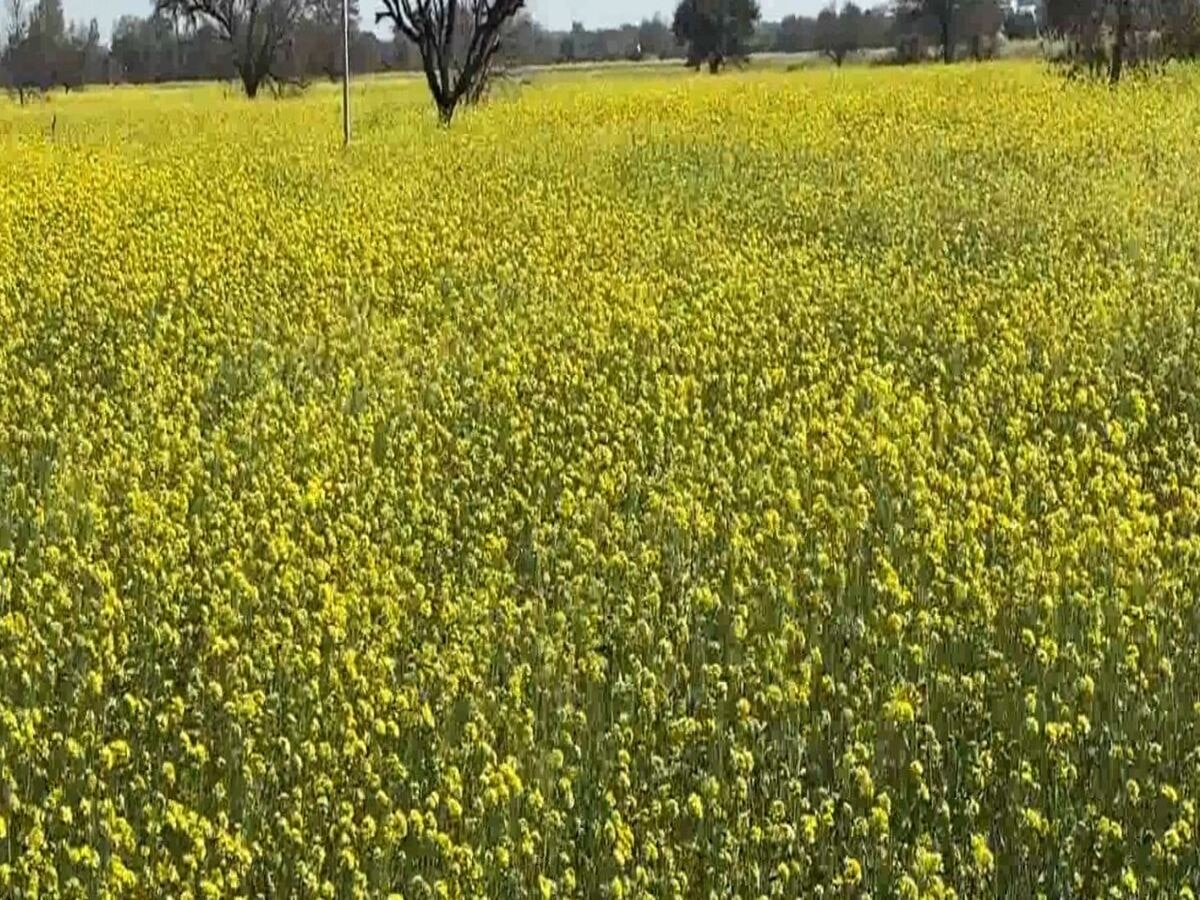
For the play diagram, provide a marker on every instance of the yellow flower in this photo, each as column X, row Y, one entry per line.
column 982, row 854
column 724, row 475
column 852, row 872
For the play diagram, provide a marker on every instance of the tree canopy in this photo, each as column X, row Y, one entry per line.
column 838, row 34
column 715, row 31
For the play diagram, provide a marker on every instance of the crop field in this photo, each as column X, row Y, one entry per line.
column 655, row 485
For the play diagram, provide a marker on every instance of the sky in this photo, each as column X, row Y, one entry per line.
column 556, row 14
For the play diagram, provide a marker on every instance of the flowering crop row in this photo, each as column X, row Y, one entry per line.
column 777, row 485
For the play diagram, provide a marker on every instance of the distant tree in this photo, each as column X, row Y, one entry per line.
column 1080, row 23
column 48, row 22
column 71, row 57
column 981, row 21
column 623, row 43
column 162, row 48
column 93, row 54
column 850, row 21
column 876, row 29
column 629, row 42
column 14, row 20
column 838, row 35
column 715, row 31
column 39, row 53
column 366, row 52
column 526, row 43
column 19, row 60
column 1121, row 38
column 317, row 50
column 204, row 55
column 458, row 41
column 655, row 38
column 827, row 37
column 796, row 34
column 1106, row 37
column 318, row 40
column 606, row 44
column 403, row 56
column 942, row 14
column 261, row 33
column 573, row 46
column 1020, row 25
column 1180, row 26
column 519, row 43
column 142, row 50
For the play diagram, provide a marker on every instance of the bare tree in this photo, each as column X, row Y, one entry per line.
column 16, row 23
column 260, row 33
column 458, row 41
column 22, row 56
column 14, row 18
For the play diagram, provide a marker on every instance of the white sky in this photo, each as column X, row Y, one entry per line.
column 556, row 14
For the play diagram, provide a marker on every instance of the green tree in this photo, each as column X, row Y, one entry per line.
column 839, row 35
column 48, row 22
column 18, row 59
column 654, row 37
column 318, row 41
column 941, row 16
column 39, row 52
column 981, row 23
column 796, row 34
column 93, row 54
column 715, row 31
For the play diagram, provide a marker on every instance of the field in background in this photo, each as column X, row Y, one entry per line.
column 770, row 60
column 658, row 486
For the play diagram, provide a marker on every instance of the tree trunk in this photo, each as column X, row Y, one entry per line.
column 714, row 63
column 251, row 81
column 1124, row 15
column 947, row 42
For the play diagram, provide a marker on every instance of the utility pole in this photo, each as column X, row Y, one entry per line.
column 346, row 71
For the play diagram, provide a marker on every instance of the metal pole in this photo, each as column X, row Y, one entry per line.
column 346, row 71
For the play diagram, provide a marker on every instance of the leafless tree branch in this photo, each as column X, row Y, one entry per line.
column 258, row 31
column 458, row 41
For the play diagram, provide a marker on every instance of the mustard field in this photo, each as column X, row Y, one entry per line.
column 654, row 486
